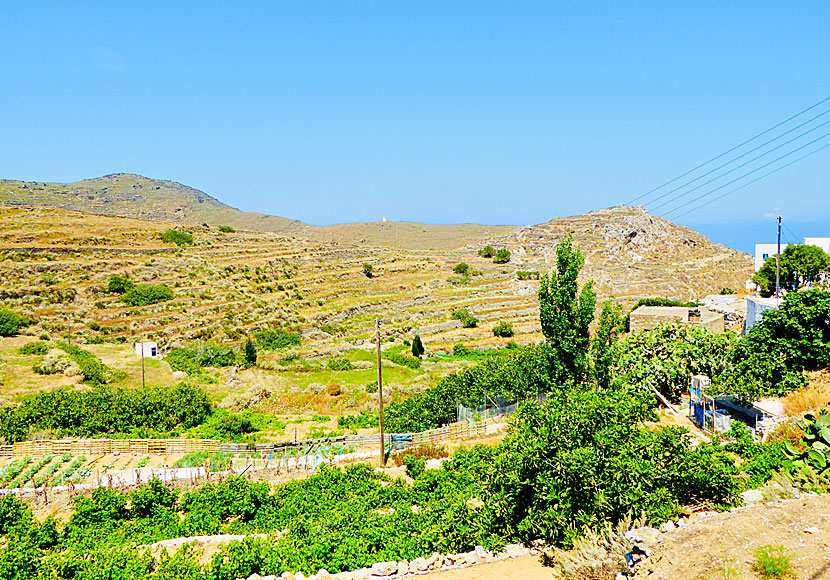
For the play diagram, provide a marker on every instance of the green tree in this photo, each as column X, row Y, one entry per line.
column 566, row 312
column 502, row 256
column 487, row 252
column 602, row 343
column 368, row 270
column 119, row 284
column 503, row 329
column 417, row 346
column 13, row 426
column 11, row 322
column 461, row 269
column 800, row 265
column 181, row 239
column 250, row 353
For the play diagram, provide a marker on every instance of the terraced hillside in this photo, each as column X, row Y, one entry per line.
column 135, row 196
column 55, row 264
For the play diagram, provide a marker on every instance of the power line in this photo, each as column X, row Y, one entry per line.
column 776, row 170
column 742, row 155
column 761, row 134
column 744, row 164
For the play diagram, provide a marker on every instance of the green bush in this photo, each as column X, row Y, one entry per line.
column 339, row 364
column 460, row 349
column 503, row 329
column 527, row 275
column 418, row 349
column 502, row 256
column 146, row 294
column 275, row 339
column 11, row 322
column 181, row 239
column 487, row 252
column 368, row 270
column 461, row 269
column 772, row 562
column 226, row 229
column 38, row 347
column 93, row 370
column 362, row 421
column 119, row 284
column 465, row 317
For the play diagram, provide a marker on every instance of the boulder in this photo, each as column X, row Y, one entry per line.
column 418, row 565
column 403, row 568
column 751, row 496
column 384, row 568
column 515, row 550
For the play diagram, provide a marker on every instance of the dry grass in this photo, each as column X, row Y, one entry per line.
column 812, row 398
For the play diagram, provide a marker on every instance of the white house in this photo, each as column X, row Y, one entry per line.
column 764, row 251
column 756, row 306
column 150, row 349
column 823, row 243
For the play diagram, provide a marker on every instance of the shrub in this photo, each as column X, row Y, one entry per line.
column 250, row 354
column 487, row 252
column 772, row 562
column 502, row 256
column 181, row 239
column 460, row 349
column 362, row 421
column 415, row 466
column 277, row 338
column 503, row 329
column 119, row 284
column 465, row 317
column 461, row 268
column 402, row 359
column 368, row 270
column 726, row 291
column 334, row 390
column 339, row 364
column 11, row 322
column 38, row 347
column 226, row 229
column 527, row 275
column 417, row 347
column 458, row 281
column 146, row 294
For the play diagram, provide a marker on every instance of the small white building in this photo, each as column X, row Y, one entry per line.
column 756, row 306
column 150, row 349
column 823, row 243
column 764, row 251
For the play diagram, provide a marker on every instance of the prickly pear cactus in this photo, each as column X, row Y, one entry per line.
column 809, row 468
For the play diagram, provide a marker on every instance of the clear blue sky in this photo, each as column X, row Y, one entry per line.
column 443, row 112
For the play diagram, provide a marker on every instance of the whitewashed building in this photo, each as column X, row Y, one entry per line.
column 150, row 349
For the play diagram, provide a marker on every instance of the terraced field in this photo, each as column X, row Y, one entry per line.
column 55, row 266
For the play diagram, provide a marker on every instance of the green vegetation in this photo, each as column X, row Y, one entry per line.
column 106, row 410
column 202, row 354
column 800, row 265
column 226, row 229
column 249, row 352
column 276, row 339
column 38, row 347
column 396, row 355
column 181, row 239
column 527, row 275
column 368, row 270
column 119, row 284
column 461, row 269
column 418, row 349
column 809, row 466
column 772, row 562
column 11, row 323
column 503, row 329
column 339, row 364
column 465, row 317
column 364, row 420
column 487, row 252
column 502, row 256
column 146, row 294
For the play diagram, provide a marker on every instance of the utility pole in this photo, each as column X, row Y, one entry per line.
column 380, row 397
column 778, row 264
column 142, row 364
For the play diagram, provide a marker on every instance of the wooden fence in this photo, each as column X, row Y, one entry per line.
column 90, row 447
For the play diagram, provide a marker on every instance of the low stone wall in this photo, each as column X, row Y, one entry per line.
column 89, row 447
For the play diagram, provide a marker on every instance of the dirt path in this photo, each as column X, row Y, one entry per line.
column 722, row 545
column 521, row 568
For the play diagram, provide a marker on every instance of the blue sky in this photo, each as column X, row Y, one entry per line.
column 442, row 112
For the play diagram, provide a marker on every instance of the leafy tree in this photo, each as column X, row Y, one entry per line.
column 119, row 284
column 602, row 343
column 502, row 256
column 277, row 338
column 417, row 346
column 250, row 353
column 487, row 252
column 503, row 329
column 13, row 426
column 800, row 265
column 226, row 229
column 368, row 270
column 146, row 294
column 566, row 312
column 770, row 360
column 465, row 317
column 11, row 322
column 181, row 239
column 461, row 269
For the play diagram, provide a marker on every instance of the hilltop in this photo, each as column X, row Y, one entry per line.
column 135, row 196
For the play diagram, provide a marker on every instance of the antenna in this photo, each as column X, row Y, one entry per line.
column 778, row 264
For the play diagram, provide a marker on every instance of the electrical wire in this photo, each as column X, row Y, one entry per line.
column 742, row 155
column 704, row 164
column 776, row 170
column 744, row 164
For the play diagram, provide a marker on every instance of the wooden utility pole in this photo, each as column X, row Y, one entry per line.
column 380, row 397
column 142, row 364
column 778, row 263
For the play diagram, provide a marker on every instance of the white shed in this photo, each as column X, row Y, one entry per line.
column 149, row 349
